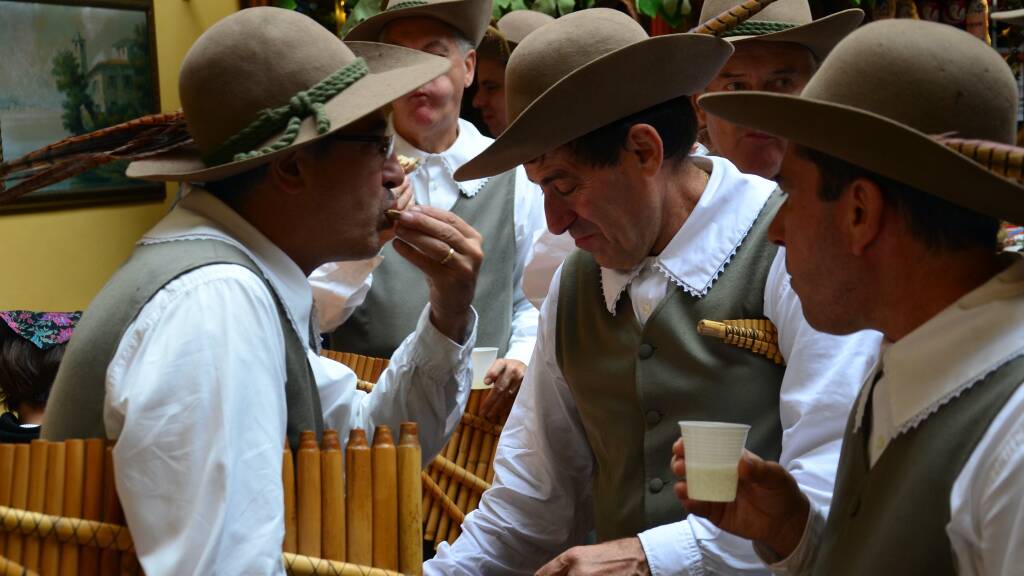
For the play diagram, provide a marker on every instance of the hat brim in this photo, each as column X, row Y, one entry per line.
column 876, row 143
column 394, row 72
column 601, row 92
column 819, row 36
column 1015, row 17
column 470, row 17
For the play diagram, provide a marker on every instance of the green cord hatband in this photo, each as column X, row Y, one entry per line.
column 758, row 28
column 290, row 116
column 407, row 4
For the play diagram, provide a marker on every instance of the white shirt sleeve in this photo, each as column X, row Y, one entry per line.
column 823, row 375
column 529, row 218
column 339, row 288
column 196, row 402
column 428, row 381
column 540, row 502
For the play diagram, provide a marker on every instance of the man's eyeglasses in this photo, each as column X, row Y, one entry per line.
column 385, row 142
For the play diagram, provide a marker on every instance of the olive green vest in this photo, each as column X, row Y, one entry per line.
column 891, row 518
column 399, row 292
column 75, row 407
column 632, row 384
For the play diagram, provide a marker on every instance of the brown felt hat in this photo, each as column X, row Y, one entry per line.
column 886, row 97
column 1015, row 17
column 585, row 70
column 261, row 59
column 788, row 21
column 469, row 17
column 510, row 30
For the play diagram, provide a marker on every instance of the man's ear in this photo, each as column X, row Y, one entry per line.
column 286, row 173
column 702, row 116
column 469, row 61
column 863, row 215
column 644, row 143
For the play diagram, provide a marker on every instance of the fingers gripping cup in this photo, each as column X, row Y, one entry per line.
column 713, row 451
column 481, row 359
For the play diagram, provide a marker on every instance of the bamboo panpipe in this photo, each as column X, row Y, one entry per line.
column 1004, row 159
column 92, row 501
column 6, row 480
column 437, row 524
column 307, row 476
column 757, row 335
column 110, row 559
column 431, row 508
column 460, row 474
column 36, row 499
column 19, row 498
column 410, row 491
column 74, row 485
column 333, row 481
column 462, row 491
column 299, row 565
column 56, row 466
column 490, row 441
column 9, row 568
column 85, row 532
column 366, row 368
column 359, row 499
column 441, row 498
column 385, row 500
column 291, row 518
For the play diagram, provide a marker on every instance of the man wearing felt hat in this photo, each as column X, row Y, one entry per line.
column 894, row 202
column 200, row 356
column 504, row 208
column 665, row 239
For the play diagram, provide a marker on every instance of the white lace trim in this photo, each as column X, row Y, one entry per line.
column 613, row 304
column 946, row 399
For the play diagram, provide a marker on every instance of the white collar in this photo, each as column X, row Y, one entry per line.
column 710, row 236
column 201, row 215
column 953, row 350
column 469, row 143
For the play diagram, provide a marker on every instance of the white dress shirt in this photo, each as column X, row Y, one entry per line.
column 340, row 287
column 924, row 370
column 541, row 501
column 196, row 401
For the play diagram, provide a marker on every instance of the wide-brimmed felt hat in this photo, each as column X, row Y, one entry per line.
column 502, row 38
column 893, row 97
column 1015, row 17
column 266, row 80
column 788, row 21
column 585, row 70
column 469, row 17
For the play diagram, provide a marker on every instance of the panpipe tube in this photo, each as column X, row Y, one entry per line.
column 441, row 498
column 410, row 490
column 92, row 502
column 463, row 491
column 74, row 485
column 36, row 499
column 10, row 568
column 431, row 508
column 480, row 423
column 437, row 524
column 308, row 497
column 110, row 559
column 333, row 481
column 481, row 471
column 19, row 498
column 299, row 565
column 291, row 519
column 385, row 500
column 461, row 475
column 56, row 457
column 6, row 482
column 359, row 499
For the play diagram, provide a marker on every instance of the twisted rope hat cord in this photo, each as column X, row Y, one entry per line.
column 758, row 28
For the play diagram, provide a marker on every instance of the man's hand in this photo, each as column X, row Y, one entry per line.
column 506, row 376
column 623, row 557
column 769, row 505
column 449, row 252
column 403, row 199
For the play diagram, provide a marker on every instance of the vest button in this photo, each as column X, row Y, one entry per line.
column 656, row 485
column 652, row 417
column 646, row 351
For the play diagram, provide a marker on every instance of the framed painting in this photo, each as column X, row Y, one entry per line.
column 71, row 67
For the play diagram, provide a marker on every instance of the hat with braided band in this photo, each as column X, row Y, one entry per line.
column 469, row 17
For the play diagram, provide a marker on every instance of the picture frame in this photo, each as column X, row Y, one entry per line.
column 71, row 67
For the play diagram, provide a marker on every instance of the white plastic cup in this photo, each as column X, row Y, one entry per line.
column 713, row 451
column 481, row 359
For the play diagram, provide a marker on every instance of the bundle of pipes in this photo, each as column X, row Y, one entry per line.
column 758, row 335
column 60, row 514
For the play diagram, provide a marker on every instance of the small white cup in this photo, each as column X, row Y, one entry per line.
column 713, row 451
column 482, row 358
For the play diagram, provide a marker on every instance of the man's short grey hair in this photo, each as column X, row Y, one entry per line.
column 461, row 42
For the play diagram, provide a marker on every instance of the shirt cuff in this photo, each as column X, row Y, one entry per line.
column 437, row 353
column 672, row 549
column 521, row 350
column 801, row 559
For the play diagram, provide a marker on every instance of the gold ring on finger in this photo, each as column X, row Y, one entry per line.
column 451, row 252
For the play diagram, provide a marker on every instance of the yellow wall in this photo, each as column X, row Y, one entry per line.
column 59, row 260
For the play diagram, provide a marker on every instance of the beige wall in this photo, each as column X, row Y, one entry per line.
column 59, row 260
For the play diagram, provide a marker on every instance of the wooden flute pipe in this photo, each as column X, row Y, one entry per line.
column 19, row 498
column 333, row 479
column 6, row 483
column 36, row 500
column 410, row 490
column 110, row 559
column 291, row 519
column 309, row 493
column 74, row 486
column 436, row 516
column 56, row 455
column 359, row 499
column 385, row 500
column 450, row 487
column 92, row 501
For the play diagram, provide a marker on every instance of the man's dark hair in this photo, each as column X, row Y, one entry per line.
column 231, row 187
column 26, row 372
column 938, row 224
column 674, row 120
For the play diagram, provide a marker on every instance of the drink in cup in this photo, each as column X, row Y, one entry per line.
column 713, row 451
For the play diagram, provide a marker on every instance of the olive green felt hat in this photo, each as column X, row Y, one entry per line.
column 469, row 17
column 502, row 38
